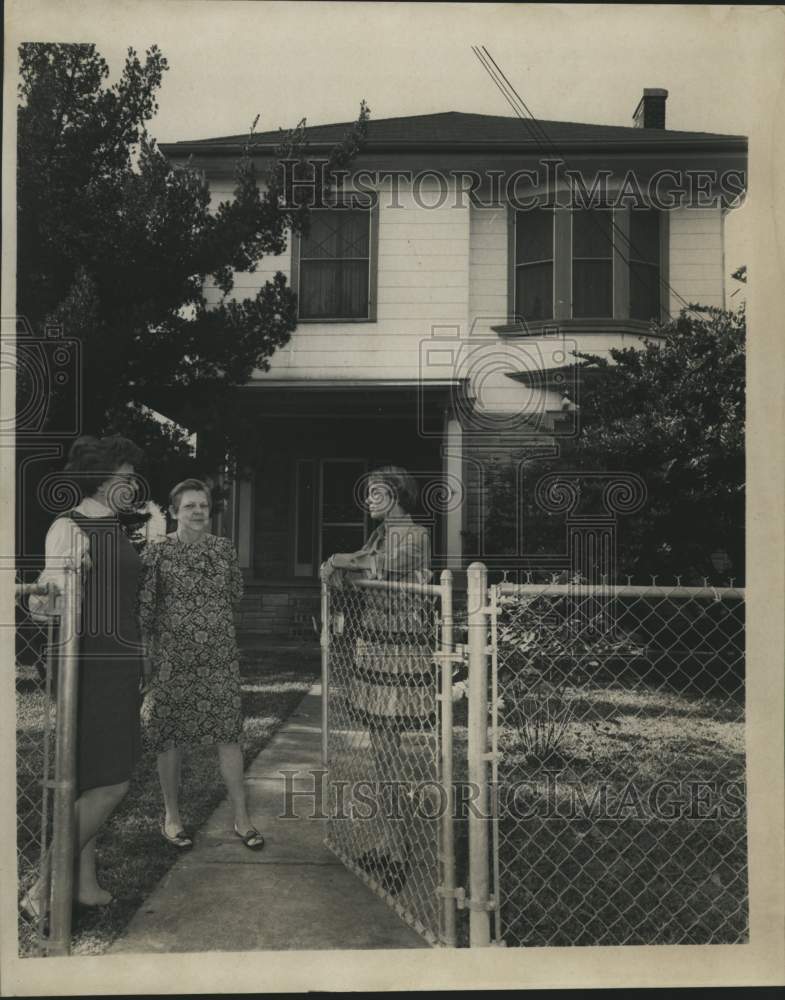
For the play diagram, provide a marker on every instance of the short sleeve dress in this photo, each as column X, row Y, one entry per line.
column 186, row 599
column 110, row 650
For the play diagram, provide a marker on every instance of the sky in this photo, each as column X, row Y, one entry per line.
column 230, row 61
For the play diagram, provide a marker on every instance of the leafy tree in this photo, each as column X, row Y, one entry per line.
column 115, row 245
column 673, row 412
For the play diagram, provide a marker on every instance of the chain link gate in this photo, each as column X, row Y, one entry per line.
column 613, row 719
column 45, row 655
column 387, row 651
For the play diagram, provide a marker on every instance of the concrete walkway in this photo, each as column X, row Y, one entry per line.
column 220, row 896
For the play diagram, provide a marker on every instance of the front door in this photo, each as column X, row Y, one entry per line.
column 329, row 516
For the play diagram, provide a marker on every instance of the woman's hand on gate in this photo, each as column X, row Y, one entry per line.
column 42, row 607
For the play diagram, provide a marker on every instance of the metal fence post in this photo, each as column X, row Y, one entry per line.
column 324, row 640
column 479, row 817
column 447, row 833
column 64, row 820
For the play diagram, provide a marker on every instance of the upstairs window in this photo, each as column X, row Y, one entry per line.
column 587, row 264
column 335, row 265
column 644, row 256
column 534, row 263
column 592, row 264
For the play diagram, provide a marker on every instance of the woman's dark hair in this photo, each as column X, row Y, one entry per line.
column 401, row 483
column 92, row 460
column 189, row 484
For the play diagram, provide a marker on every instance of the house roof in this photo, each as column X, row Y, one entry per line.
column 456, row 130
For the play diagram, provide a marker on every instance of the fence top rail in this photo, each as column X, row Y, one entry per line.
column 612, row 590
column 431, row 589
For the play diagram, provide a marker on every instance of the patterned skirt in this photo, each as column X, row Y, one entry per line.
column 394, row 684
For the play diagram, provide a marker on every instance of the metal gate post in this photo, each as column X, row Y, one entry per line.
column 447, row 832
column 64, row 820
column 479, row 815
column 324, row 641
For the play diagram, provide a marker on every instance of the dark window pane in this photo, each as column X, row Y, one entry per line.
column 591, row 233
column 592, row 289
column 333, row 289
column 341, row 499
column 644, row 291
column 645, row 235
column 305, row 496
column 534, row 291
column 337, row 233
column 534, row 235
column 343, row 538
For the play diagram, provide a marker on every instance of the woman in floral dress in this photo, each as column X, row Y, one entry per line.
column 190, row 581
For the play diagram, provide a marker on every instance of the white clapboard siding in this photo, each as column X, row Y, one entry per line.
column 422, row 279
column 487, row 269
column 696, row 257
column 422, row 288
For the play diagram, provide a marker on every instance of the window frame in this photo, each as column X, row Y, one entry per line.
column 516, row 267
column 610, row 259
column 373, row 267
column 563, row 277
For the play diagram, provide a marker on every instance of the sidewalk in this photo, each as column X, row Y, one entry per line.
column 294, row 894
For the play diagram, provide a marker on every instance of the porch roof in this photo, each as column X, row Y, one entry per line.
column 351, row 399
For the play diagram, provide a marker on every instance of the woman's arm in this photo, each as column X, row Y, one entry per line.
column 65, row 543
column 148, row 596
column 362, row 559
column 234, row 573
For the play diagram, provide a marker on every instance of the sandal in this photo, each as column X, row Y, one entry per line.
column 180, row 840
column 77, row 906
column 252, row 839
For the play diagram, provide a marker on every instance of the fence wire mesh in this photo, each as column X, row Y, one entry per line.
column 35, row 746
column 617, row 717
column 384, row 742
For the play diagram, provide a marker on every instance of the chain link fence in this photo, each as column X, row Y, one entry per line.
column 617, row 739
column 590, row 788
column 35, row 728
column 387, row 649
column 46, row 651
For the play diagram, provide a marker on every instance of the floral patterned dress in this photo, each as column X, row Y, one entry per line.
column 185, row 608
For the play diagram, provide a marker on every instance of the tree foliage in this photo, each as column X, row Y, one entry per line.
column 115, row 246
column 672, row 412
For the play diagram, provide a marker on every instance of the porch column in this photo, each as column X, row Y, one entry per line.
column 244, row 487
column 452, row 466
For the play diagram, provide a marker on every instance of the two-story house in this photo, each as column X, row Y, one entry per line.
column 436, row 325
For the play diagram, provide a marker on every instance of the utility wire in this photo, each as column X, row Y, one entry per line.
column 546, row 145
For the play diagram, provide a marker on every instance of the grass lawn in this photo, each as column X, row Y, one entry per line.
column 132, row 856
column 624, row 872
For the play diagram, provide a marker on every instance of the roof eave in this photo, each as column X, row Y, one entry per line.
column 731, row 144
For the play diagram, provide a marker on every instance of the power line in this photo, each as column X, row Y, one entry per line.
column 543, row 141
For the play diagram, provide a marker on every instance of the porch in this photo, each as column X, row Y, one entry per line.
column 300, row 497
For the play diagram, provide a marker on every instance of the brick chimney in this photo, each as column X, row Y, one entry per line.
column 650, row 112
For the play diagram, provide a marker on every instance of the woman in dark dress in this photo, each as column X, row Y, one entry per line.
column 110, row 667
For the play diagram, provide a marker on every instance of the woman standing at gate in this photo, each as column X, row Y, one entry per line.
column 110, row 665
column 392, row 682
